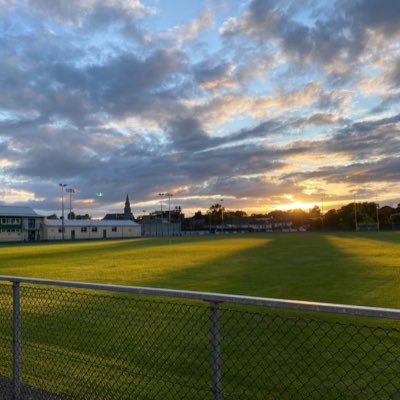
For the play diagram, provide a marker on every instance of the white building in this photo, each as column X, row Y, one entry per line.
column 19, row 224
column 90, row 229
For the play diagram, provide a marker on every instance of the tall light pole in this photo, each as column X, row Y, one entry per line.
column 377, row 214
column 355, row 214
column 62, row 186
column 322, row 213
column 70, row 191
column 169, row 195
column 222, row 216
column 162, row 215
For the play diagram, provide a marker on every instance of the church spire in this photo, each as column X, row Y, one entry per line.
column 127, row 208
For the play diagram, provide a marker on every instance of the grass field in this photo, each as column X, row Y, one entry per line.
column 342, row 268
column 82, row 345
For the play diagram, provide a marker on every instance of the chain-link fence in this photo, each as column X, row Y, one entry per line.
column 61, row 340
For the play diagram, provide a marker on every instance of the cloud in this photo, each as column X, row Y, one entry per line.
column 366, row 139
column 209, row 76
column 75, row 11
column 358, row 173
column 112, row 97
column 191, row 30
column 336, row 39
column 394, row 74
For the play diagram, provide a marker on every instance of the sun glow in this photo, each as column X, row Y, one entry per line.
column 295, row 205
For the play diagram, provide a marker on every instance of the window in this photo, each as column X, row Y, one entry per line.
column 94, row 228
column 114, row 229
column 84, row 229
column 59, row 230
column 3, row 220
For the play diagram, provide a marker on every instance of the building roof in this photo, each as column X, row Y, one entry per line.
column 17, row 211
column 115, row 216
column 89, row 222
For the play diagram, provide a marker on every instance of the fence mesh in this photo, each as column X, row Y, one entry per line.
column 77, row 344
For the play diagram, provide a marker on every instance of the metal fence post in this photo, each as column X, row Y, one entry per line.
column 215, row 351
column 16, row 387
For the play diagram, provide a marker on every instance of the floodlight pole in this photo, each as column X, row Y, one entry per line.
column 322, row 213
column 169, row 195
column 62, row 185
column 222, row 217
column 377, row 215
column 355, row 214
column 162, row 215
column 70, row 191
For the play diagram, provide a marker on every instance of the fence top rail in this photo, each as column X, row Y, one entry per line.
column 297, row 305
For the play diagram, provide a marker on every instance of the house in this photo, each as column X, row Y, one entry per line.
column 19, row 224
column 90, row 229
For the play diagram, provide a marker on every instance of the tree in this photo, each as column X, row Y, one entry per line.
column 234, row 214
column 216, row 211
column 385, row 213
column 83, row 217
column 395, row 219
column 198, row 215
column 331, row 219
column 315, row 212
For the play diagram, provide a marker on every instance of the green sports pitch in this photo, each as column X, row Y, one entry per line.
column 91, row 345
column 352, row 268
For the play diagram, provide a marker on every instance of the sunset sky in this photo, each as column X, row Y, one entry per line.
column 266, row 104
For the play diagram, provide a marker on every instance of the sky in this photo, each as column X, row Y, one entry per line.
column 267, row 104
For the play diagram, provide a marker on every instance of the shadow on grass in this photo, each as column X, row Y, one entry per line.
column 303, row 267
column 85, row 346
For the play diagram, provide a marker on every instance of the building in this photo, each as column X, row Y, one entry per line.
column 126, row 215
column 19, row 224
column 248, row 224
column 90, row 229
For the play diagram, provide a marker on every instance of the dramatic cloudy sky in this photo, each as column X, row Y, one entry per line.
column 264, row 103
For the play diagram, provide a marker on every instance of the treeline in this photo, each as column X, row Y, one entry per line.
column 365, row 215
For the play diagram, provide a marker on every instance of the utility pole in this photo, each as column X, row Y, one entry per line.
column 62, row 185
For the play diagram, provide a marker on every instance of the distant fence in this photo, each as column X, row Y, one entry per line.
column 161, row 229
column 68, row 340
